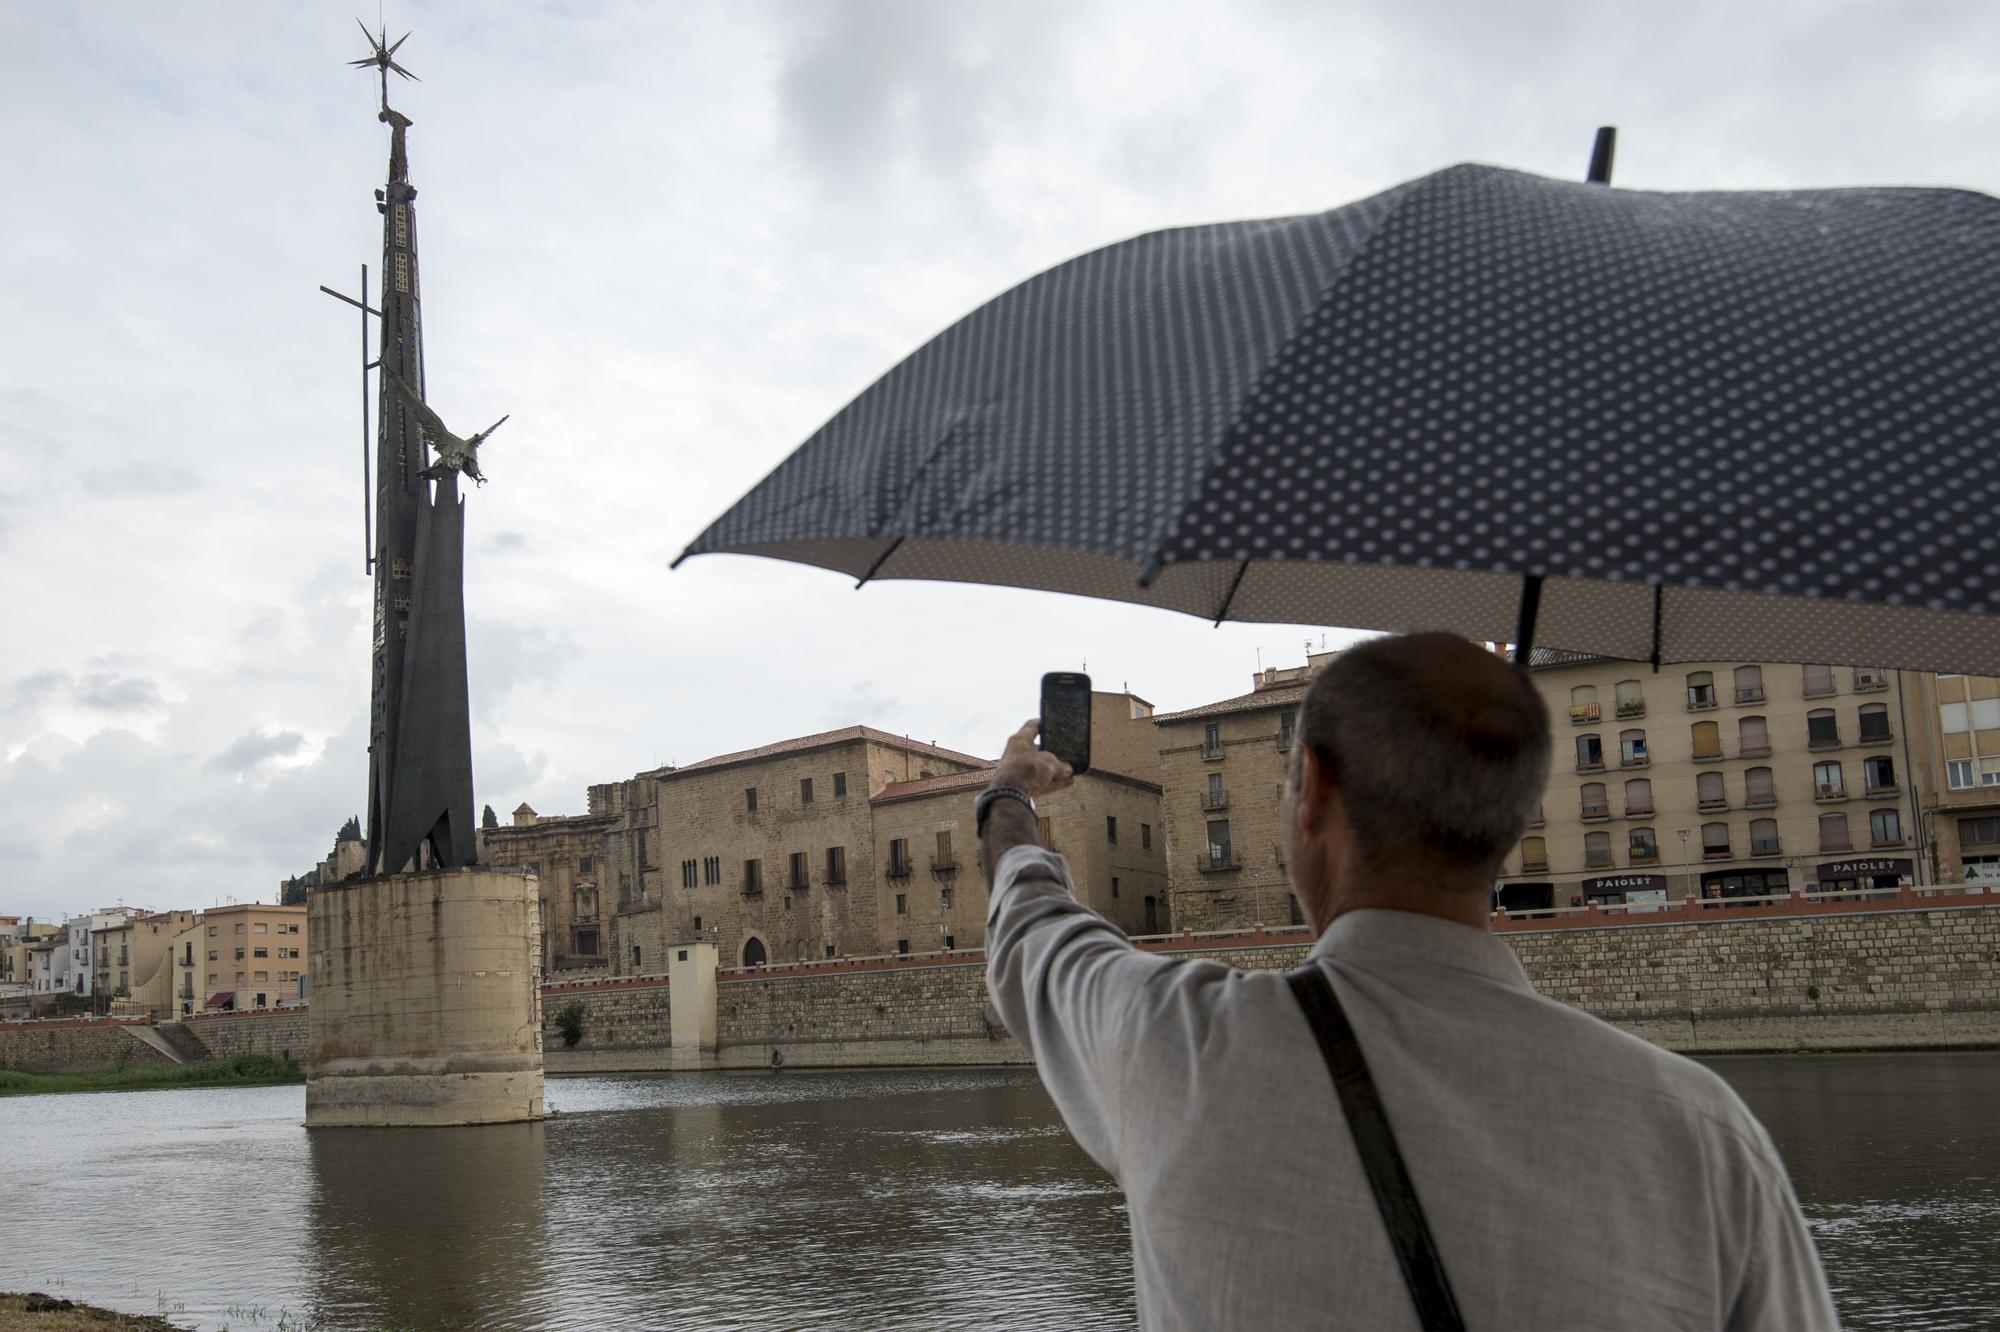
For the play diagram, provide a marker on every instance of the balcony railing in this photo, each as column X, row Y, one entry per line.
column 1285, row 741
column 944, row 867
column 1590, row 765
column 1215, row 799
column 1591, row 812
column 1829, row 791
column 1824, row 690
column 1877, row 792
column 1715, row 852
column 1639, row 810
column 1769, row 846
column 1211, row 751
column 1835, row 844
column 1219, row 859
column 1760, row 799
column 1597, row 859
column 1877, row 735
column 899, row 869
column 1823, row 741
column 1868, row 684
column 1536, row 820
column 753, row 887
column 1637, row 759
column 1631, row 707
column 797, row 884
column 1701, row 700
column 1535, row 866
column 1580, row 713
column 1712, row 802
column 1894, row 839
column 1753, row 694
column 1644, row 854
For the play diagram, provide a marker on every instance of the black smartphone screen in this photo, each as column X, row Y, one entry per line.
column 1066, row 718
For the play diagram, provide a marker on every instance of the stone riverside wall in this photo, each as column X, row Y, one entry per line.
column 78, row 1045
column 275, row 1033
column 1900, row 979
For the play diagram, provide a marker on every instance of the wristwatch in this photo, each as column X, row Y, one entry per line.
column 985, row 803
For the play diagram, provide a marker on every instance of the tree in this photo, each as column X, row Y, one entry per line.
column 293, row 893
column 489, row 819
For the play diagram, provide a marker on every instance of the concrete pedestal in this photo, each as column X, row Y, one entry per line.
column 691, row 981
column 426, row 1000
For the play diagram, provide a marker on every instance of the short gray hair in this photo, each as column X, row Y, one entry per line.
column 1440, row 749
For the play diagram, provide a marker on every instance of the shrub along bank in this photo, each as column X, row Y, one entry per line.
column 241, row 1071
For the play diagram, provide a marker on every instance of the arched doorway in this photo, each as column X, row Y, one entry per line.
column 753, row 952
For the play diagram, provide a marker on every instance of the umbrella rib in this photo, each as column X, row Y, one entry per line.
column 1234, row 583
column 880, row 560
column 1659, row 594
column 1524, row 630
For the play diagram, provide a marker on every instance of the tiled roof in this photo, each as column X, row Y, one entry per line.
column 1542, row 658
column 951, row 781
column 1281, row 696
column 824, row 739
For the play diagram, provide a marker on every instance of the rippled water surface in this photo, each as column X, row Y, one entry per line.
column 861, row 1199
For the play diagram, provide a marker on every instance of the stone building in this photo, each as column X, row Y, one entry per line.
column 1123, row 738
column 348, row 858
column 1222, row 767
column 567, row 854
column 1721, row 780
column 1955, row 723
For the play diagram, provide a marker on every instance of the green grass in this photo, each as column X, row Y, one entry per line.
column 241, row 1071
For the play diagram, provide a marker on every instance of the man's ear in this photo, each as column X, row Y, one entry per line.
column 1315, row 789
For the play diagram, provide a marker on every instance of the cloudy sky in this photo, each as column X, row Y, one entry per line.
column 671, row 239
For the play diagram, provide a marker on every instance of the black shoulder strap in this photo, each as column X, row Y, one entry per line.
column 1388, row 1177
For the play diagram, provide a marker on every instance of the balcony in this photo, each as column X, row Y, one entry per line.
column 1642, row 810
column 1877, row 735
column 1760, row 800
column 1701, row 700
column 1754, row 751
column 1215, row 799
column 1535, row 820
column 899, row 869
column 944, row 867
column 1715, row 852
column 1637, row 759
column 1823, row 740
column 1211, row 751
column 1895, row 839
column 1826, row 792
column 753, row 888
column 1825, row 690
column 1708, row 756
column 1594, row 813
column 797, row 885
column 1875, row 792
column 1535, row 866
column 1833, row 844
column 1219, row 860
column 1597, row 859
column 1870, row 683
column 1582, row 713
column 1631, row 707
column 1769, row 846
column 1753, row 694
column 1644, row 855
column 1590, row 765
column 1285, row 742
column 1713, row 802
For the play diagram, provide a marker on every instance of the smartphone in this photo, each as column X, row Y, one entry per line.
column 1066, row 718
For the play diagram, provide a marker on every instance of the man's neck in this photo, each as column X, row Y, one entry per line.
column 1462, row 904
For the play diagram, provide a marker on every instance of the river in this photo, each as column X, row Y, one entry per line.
column 866, row 1199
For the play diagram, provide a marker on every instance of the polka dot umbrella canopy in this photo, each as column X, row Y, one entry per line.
column 1691, row 427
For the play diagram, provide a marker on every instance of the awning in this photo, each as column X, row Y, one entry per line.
column 221, row 999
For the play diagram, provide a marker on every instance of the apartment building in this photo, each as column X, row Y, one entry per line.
column 247, row 956
column 1223, row 768
column 1957, row 722
column 1721, row 780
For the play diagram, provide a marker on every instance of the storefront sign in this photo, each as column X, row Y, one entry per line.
column 1627, row 884
column 1863, row 869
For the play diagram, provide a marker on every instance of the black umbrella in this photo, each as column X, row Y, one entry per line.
column 1693, row 427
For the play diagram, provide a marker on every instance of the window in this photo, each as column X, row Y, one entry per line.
column 1979, row 832
column 1879, row 773
column 1709, row 792
column 1955, row 718
column 534, row 868
column 950, row 942
column 1592, row 803
column 1216, row 797
column 750, row 799
column 945, row 860
column 1701, row 690
column 1833, row 833
column 902, row 947
column 211, row 978
column 1764, row 837
column 635, row 959
column 753, row 876
column 1818, row 680
column 1822, row 729
column 1885, row 827
column 1985, row 714
column 1145, row 837
column 1534, row 854
column 1874, row 718
column 1715, row 841
column 945, row 899
column 260, row 952
column 697, row 929
column 1583, row 705
column 829, row 950
column 1589, row 753
column 1114, row 885
column 899, row 858
column 690, row 875
column 1631, row 749
column 1111, row 828
column 212, row 930
column 1749, row 684
column 1597, row 849
column 805, row 790
column 239, row 927
column 1218, row 841
column 1989, row 772
column 1958, row 774
column 836, row 864
column 583, row 864
column 1642, row 847
column 799, row 876
column 1707, row 740
column 1870, row 677
column 260, row 928
column 1631, row 699
column 1211, row 740
column 711, row 869
column 239, row 955
column 239, row 978
column 1753, row 737
column 902, row 904
column 1288, row 726
column 261, row 978
column 1829, row 782
column 840, row 786
column 1535, row 819
column 211, row 955
column 1639, row 795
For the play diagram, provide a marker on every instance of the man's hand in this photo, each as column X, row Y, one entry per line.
column 1025, row 768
